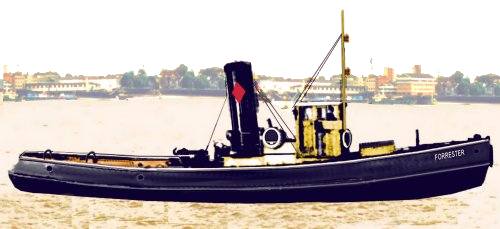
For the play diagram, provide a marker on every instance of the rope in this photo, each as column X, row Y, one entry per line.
column 216, row 122
column 308, row 85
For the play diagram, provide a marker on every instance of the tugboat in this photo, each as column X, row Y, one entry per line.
column 321, row 168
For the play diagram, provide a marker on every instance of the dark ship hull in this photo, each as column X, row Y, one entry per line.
column 415, row 172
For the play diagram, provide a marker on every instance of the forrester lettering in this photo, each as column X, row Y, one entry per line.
column 449, row 154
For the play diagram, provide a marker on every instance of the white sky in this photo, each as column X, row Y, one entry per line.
column 280, row 38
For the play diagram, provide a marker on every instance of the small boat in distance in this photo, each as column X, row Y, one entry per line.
column 123, row 96
column 321, row 168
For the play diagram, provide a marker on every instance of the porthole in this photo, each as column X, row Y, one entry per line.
column 140, row 177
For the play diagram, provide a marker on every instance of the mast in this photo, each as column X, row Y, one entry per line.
column 345, row 72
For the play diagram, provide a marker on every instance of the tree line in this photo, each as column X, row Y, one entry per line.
column 457, row 84
column 180, row 77
column 140, row 80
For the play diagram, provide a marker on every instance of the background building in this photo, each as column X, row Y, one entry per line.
column 388, row 77
column 387, row 90
column 371, row 83
column 106, row 83
column 19, row 80
column 416, row 83
column 417, row 69
column 281, row 85
column 321, row 88
column 61, row 87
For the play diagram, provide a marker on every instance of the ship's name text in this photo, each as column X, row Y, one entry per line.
column 449, row 154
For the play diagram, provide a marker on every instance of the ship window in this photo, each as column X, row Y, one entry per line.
column 308, row 113
column 321, row 113
column 329, row 113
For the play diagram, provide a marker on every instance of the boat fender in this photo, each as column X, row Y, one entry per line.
column 346, row 138
column 273, row 138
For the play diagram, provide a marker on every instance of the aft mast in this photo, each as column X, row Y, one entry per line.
column 346, row 136
column 345, row 72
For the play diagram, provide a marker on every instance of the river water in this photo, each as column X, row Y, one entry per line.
column 156, row 125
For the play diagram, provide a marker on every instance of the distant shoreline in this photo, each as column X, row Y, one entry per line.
column 222, row 93
column 469, row 99
column 192, row 92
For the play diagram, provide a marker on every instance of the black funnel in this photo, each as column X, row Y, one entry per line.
column 244, row 135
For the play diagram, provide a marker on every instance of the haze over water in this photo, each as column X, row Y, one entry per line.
column 156, row 125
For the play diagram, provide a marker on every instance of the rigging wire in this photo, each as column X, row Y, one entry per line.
column 268, row 101
column 267, row 104
column 270, row 106
column 308, row 85
column 316, row 73
column 281, row 118
column 216, row 122
column 313, row 79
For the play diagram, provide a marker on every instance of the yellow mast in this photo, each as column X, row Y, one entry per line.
column 345, row 72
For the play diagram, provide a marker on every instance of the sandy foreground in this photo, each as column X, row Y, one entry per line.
column 154, row 125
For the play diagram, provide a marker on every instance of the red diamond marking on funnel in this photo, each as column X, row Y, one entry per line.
column 238, row 92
